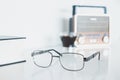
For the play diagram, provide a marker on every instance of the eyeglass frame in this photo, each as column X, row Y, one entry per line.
column 85, row 59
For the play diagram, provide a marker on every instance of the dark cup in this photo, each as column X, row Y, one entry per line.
column 68, row 40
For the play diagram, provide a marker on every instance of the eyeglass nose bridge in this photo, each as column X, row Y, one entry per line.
column 56, row 56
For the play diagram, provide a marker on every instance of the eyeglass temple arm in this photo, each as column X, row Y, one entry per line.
column 92, row 56
column 55, row 51
column 44, row 51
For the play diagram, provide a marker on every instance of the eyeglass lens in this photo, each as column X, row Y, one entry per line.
column 43, row 60
column 71, row 61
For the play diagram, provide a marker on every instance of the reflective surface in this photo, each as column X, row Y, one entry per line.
column 105, row 69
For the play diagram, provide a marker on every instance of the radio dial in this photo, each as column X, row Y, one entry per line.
column 105, row 39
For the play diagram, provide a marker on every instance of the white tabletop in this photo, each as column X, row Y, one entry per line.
column 105, row 69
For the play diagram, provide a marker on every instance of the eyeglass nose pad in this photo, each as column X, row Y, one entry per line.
column 99, row 56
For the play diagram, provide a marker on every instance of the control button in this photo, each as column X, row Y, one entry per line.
column 105, row 39
column 81, row 40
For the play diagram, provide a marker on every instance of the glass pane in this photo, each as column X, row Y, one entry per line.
column 43, row 60
column 72, row 61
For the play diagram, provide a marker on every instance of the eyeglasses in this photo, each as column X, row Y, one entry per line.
column 69, row 61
